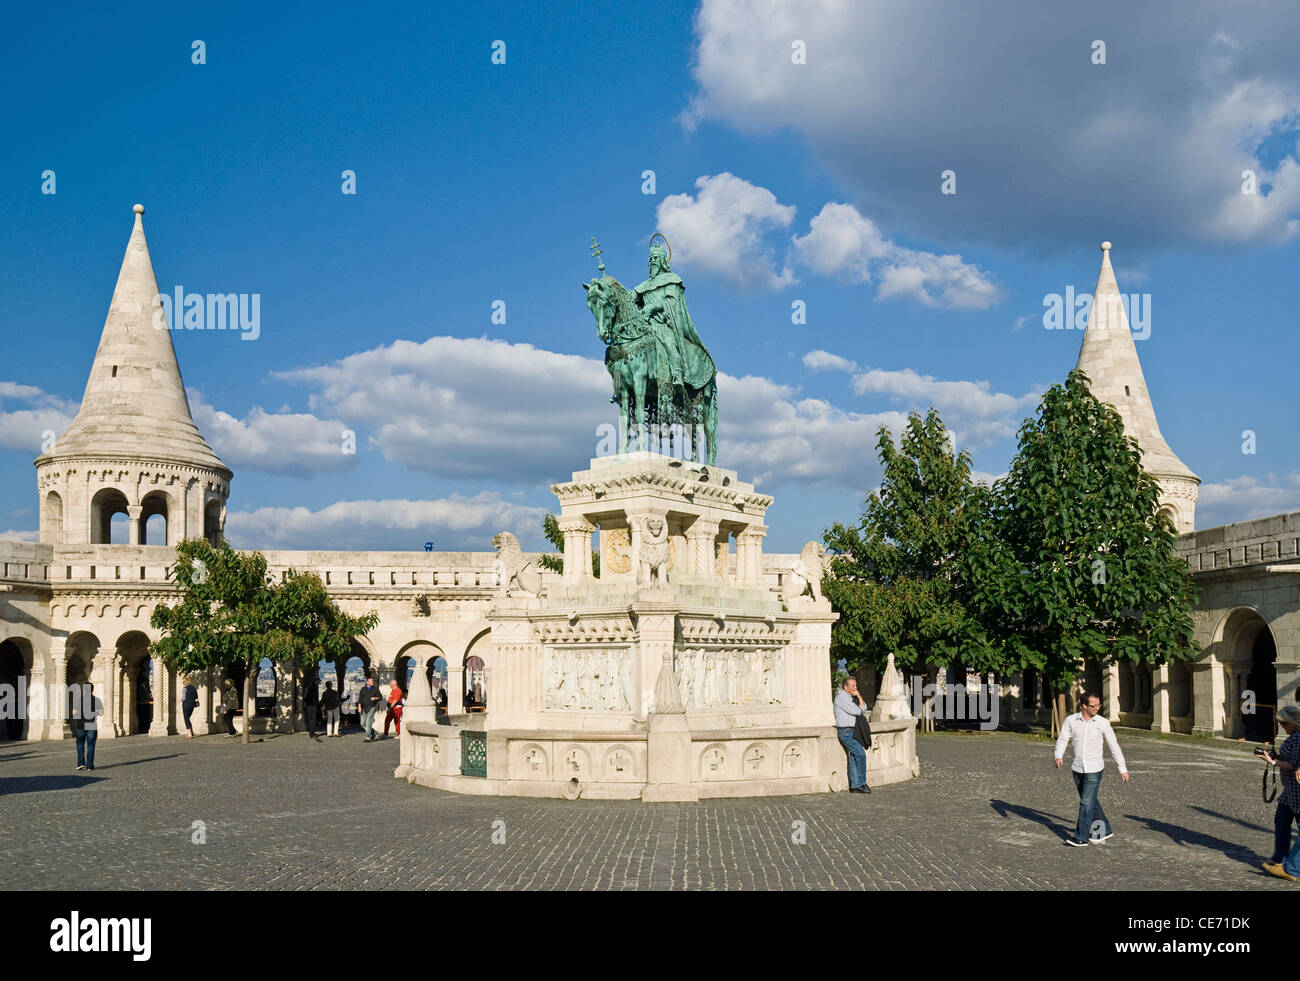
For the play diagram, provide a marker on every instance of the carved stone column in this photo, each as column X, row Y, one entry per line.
column 56, row 701
column 158, row 726
column 1160, row 721
column 104, row 676
column 700, row 539
column 133, row 512
column 578, row 532
column 749, row 555
column 1110, row 691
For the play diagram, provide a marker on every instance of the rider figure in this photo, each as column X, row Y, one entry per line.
column 662, row 297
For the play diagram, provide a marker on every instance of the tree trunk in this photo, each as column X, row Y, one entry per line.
column 248, row 717
column 1059, row 707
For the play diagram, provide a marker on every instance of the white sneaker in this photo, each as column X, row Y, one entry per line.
column 1098, row 841
column 79, row 767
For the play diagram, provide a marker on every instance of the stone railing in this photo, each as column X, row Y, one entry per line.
column 24, row 562
column 1272, row 539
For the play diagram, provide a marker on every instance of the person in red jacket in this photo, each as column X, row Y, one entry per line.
column 395, row 702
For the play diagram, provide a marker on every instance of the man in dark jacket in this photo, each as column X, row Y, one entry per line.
column 369, row 699
column 309, row 703
column 330, row 703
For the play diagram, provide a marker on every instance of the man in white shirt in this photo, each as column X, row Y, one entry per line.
column 847, row 708
column 1086, row 731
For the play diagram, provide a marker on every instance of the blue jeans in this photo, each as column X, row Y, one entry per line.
column 1090, row 810
column 857, row 756
column 368, row 720
column 1292, row 863
column 1283, row 818
column 86, row 747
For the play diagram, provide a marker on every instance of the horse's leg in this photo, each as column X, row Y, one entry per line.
column 639, row 387
column 624, row 418
column 711, row 419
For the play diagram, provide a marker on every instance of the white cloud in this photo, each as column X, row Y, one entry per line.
column 517, row 414
column 281, row 442
column 770, row 436
column 970, row 409
column 469, row 407
column 451, row 523
column 1147, row 148
column 842, row 242
column 1243, row 498
column 20, row 536
column 825, row 361
column 26, row 428
column 722, row 231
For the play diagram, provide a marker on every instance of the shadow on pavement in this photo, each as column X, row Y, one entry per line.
column 16, row 756
column 29, row 785
column 1228, row 817
column 147, row 759
column 1053, row 822
column 1186, row 836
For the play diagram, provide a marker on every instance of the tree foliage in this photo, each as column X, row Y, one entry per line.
column 230, row 611
column 1072, row 560
column 1063, row 560
column 895, row 577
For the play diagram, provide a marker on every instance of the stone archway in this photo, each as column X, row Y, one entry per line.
column 108, row 504
column 1247, row 651
column 474, row 684
column 15, row 688
column 135, row 685
column 422, row 653
column 151, row 531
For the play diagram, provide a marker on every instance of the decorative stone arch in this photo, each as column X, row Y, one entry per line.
column 135, row 684
column 155, row 503
column 474, row 668
column 106, row 504
column 214, row 519
column 52, row 518
column 1244, row 649
column 425, row 654
column 17, row 659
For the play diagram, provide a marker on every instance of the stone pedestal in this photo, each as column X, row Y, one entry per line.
column 677, row 674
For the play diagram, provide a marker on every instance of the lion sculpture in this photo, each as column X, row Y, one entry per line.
column 654, row 552
column 805, row 575
column 516, row 572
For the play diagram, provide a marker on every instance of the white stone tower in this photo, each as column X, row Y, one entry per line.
column 1109, row 358
column 133, row 447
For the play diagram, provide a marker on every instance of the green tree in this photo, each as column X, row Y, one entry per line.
column 551, row 529
column 230, row 611
column 1072, row 560
column 895, row 578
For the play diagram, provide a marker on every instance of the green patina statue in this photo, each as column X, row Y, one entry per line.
column 663, row 377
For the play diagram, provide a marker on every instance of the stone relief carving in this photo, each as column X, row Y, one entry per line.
column 588, row 680
column 618, row 550
column 709, row 679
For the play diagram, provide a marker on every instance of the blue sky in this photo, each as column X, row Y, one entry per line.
column 774, row 182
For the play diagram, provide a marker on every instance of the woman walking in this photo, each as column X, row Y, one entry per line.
column 189, row 699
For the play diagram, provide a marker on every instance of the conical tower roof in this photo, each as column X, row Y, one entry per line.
column 135, row 407
column 1109, row 358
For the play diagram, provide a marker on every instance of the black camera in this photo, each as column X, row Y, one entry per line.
column 1263, row 750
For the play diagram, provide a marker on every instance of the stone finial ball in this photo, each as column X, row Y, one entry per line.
column 1105, row 246
column 138, row 209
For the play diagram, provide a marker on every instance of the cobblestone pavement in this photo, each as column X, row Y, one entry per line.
column 989, row 812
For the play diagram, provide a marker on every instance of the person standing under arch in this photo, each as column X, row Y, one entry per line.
column 189, row 700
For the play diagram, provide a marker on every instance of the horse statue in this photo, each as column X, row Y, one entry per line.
column 663, row 376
